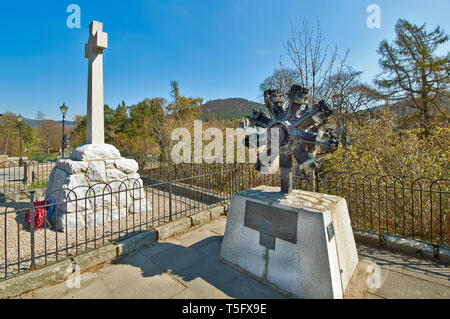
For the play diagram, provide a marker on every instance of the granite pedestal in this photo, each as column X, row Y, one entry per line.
column 301, row 242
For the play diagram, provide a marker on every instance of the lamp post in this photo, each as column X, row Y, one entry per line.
column 63, row 109
column 20, row 119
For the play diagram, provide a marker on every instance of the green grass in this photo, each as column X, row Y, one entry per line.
column 38, row 184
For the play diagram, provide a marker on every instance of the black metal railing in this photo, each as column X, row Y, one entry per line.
column 100, row 214
column 31, row 175
column 414, row 208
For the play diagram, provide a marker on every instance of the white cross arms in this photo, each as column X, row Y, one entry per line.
column 98, row 40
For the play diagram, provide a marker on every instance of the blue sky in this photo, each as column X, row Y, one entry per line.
column 214, row 49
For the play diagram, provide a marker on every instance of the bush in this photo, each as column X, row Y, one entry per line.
column 380, row 146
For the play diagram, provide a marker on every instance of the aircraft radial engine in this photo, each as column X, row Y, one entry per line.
column 297, row 131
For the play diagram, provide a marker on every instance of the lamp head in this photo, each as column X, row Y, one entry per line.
column 64, row 109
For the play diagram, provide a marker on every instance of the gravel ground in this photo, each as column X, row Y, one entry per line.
column 51, row 246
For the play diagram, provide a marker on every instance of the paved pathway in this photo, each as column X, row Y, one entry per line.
column 189, row 267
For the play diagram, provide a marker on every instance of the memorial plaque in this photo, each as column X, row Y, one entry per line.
column 271, row 222
column 267, row 241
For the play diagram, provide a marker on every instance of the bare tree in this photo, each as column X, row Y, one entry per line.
column 40, row 116
column 348, row 95
column 313, row 60
column 51, row 134
column 282, row 79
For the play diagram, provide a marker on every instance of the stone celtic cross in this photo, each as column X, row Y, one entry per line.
column 98, row 41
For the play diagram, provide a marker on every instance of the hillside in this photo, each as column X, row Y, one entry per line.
column 35, row 123
column 226, row 109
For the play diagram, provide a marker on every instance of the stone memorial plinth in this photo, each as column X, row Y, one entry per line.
column 301, row 242
column 96, row 184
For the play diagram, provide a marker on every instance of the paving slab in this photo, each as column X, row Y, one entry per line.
column 368, row 295
column 95, row 290
column 443, row 292
column 120, row 274
column 394, row 286
column 158, row 247
column 156, row 287
column 206, row 290
column 244, row 287
column 206, row 274
column 189, row 267
column 217, row 225
column 406, row 264
column 196, row 238
column 186, row 294
column 176, row 259
column 213, row 247
column 60, row 289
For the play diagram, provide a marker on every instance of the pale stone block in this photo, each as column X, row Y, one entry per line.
column 89, row 152
column 115, row 175
column 72, row 167
column 201, row 218
column 76, row 188
column 56, row 179
column 127, row 166
column 140, row 206
column 137, row 193
column 73, row 204
column 73, row 221
column 117, row 214
column 109, row 164
column 101, row 196
column 124, row 199
column 134, row 181
column 77, row 181
column 114, row 186
column 176, row 227
column 97, row 217
column 216, row 212
column 96, row 172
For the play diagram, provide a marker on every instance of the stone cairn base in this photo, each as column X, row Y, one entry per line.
column 95, row 184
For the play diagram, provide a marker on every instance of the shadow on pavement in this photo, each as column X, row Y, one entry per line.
column 200, row 268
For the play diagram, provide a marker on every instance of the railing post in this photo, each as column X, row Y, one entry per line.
column 315, row 176
column 235, row 178
column 32, row 244
column 192, row 172
column 160, row 163
column 170, row 195
column 25, row 172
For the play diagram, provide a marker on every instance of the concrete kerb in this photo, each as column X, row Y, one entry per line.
column 58, row 272
column 438, row 253
column 34, row 279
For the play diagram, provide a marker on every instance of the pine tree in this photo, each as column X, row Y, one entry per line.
column 413, row 71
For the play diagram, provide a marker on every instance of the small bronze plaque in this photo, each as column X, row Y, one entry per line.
column 271, row 222
column 267, row 241
column 330, row 231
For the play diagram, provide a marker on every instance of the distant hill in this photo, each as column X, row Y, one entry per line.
column 228, row 109
column 35, row 123
column 403, row 109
